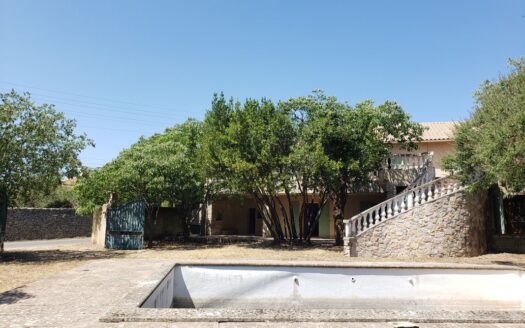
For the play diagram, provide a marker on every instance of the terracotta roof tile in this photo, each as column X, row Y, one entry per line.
column 438, row 131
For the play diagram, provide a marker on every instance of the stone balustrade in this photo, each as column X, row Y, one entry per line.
column 399, row 204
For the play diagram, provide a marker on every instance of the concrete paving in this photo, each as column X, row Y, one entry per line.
column 79, row 297
column 45, row 243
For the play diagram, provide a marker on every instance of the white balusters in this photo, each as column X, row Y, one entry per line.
column 449, row 187
column 396, row 207
column 401, row 203
column 429, row 193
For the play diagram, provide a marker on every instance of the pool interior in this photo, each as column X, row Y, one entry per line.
column 313, row 287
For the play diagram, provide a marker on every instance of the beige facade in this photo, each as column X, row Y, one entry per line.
column 235, row 215
column 438, row 148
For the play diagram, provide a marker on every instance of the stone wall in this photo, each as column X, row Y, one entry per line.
column 453, row 226
column 46, row 223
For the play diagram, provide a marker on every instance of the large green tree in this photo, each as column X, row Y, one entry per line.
column 160, row 169
column 246, row 146
column 351, row 142
column 490, row 146
column 314, row 147
column 38, row 147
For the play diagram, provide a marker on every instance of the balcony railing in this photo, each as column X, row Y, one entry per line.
column 407, row 161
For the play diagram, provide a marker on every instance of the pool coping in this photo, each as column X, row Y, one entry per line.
column 129, row 310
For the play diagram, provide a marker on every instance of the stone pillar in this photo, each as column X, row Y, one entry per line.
column 209, row 218
column 350, row 246
column 98, row 231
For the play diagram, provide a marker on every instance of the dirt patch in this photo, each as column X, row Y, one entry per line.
column 18, row 268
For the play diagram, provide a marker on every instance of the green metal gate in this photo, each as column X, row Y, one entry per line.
column 3, row 217
column 125, row 226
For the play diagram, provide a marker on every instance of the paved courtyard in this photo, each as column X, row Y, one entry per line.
column 78, row 296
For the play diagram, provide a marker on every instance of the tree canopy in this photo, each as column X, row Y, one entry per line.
column 315, row 145
column 158, row 169
column 314, row 148
column 490, row 146
column 246, row 146
column 349, row 143
column 38, row 146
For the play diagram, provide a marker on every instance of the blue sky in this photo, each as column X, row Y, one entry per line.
column 124, row 69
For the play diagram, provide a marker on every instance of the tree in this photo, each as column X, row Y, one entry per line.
column 490, row 146
column 351, row 142
column 247, row 145
column 38, row 147
column 314, row 146
column 61, row 197
column 158, row 169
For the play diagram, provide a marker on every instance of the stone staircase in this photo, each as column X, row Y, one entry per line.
column 423, row 189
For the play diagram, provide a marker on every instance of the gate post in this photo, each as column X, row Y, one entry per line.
column 3, row 217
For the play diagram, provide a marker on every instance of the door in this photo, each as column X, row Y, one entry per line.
column 125, row 226
column 251, row 221
column 311, row 213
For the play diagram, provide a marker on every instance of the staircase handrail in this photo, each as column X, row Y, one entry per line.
column 424, row 175
column 400, row 203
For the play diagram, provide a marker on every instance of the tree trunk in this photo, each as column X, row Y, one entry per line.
column 339, row 198
column 338, row 222
column 204, row 218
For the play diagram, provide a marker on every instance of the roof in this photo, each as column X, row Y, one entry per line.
column 438, row 131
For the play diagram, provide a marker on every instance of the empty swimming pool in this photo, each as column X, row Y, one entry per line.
column 277, row 287
column 329, row 292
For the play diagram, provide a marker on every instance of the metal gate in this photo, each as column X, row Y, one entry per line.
column 3, row 217
column 125, row 226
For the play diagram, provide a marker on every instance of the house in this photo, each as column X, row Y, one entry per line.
column 237, row 215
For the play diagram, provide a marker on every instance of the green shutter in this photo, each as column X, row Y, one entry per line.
column 324, row 223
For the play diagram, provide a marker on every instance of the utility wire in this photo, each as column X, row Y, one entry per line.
column 83, row 96
column 103, row 106
column 82, row 126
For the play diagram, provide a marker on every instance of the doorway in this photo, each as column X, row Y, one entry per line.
column 252, row 217
column 311, row 213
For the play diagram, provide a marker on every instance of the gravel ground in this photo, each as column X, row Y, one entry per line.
column 20, row 267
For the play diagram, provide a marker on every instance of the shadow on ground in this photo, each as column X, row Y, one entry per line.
column 13, row 296
column 56, row 255
column 261, row 244
column 510, row 263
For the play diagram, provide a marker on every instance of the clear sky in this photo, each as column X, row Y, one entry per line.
column 124, row 69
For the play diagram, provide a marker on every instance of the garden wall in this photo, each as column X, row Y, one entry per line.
column 452, row 226
column 46, row 223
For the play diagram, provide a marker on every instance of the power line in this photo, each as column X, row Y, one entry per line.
column 102, row 106
column 83, row 96
column 82, row 126
column 118, row 119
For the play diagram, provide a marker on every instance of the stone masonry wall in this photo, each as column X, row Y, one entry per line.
column 46, row 223
column 453, row 226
